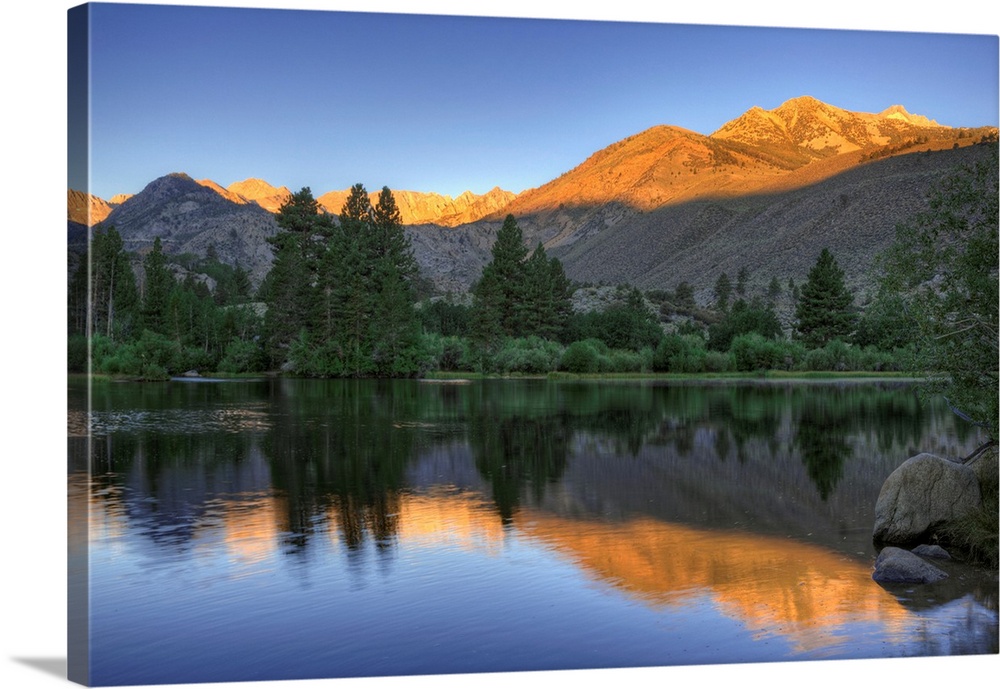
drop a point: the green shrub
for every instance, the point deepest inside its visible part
(192, 358)
(527, 355)
(580, 357)
(841, 355)
(717, 362)
(793, 355)
(102, 350)
(818, 360)
(677, 353)
(621, 361)
(151, 356)
(753, 352)
(453, 355)
(242, 356)
(667, 350)
(646, 359)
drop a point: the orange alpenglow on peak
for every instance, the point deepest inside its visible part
(253, 189)
(260, 192)
(898, 112)
(800, 142)
(223, 192)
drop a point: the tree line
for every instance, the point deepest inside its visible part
(340, 300)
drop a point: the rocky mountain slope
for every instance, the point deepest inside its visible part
(766, 191)
(190, 217)
(778, 234)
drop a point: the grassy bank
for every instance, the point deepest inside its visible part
(733, 376)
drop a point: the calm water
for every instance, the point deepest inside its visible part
(302, 529)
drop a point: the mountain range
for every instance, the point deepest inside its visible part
(766, 191)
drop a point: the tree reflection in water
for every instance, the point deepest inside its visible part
(821, 435)
(336, 454)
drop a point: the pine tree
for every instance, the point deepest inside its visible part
(505, 276)
(773, 289)
(395, 324)
(824, 310)
(351, 281)
(723, 290)
(486, 329)
(741, 281)
(545, 302)
(292, 289)
(559, 305)
(241, 285)
(156, 289)
(684, 294)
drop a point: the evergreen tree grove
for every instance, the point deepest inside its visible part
(520, 295)
(114, 297)
(339, 295)
(545, 305)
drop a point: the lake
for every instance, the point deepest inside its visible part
(293, 529)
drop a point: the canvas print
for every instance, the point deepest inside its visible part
(412, 344)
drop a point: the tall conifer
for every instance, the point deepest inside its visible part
(156, 289)
(395, 325)
(505, 279)
(824, 310)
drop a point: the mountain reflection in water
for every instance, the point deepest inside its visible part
(523, 523)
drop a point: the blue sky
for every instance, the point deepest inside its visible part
(449, 103)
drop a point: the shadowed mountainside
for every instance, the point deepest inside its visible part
(854, 214)
(190, 217)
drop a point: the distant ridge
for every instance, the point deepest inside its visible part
(759, 150)
(663, 205)
(85, 209)
(422, 208)
(262, 193)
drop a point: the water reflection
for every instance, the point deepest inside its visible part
(823, 426)
(773, 586)
(351, 447)
(755, 501)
